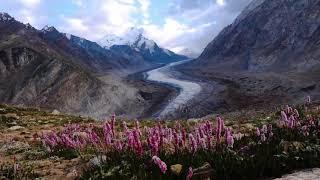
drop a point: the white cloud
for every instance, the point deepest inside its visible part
(78, 2)
(27, 11)
(203, 20)
(77, 24)
(99, 17)
(144, 7)
(119, 13)
(30, 3)
(186, 23)
(175, 35)
(221, 2)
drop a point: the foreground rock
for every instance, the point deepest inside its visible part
(310, 174)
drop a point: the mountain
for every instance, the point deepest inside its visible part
(269, 55)
(189, 53)
(269, 35)
(135, 40)
(124, 62)
(43, 68)
(90, 54)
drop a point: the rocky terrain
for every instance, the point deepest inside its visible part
(45, 69)
(269, 35)
(268, 55)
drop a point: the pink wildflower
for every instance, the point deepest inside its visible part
(305, 130)
(284, 116)
(288, 109)
(113, 122)
(184, 136)
(258, 133)
(162, 165)
(296, 113)
(264, 129)
(190, 173)
(192, 143)
(220, 127)
(176, 139)
(229, 138)
(263, 138)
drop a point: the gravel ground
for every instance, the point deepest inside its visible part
(309, 174)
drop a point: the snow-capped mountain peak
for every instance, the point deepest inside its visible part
(189, 52)
(5, 17)
(48, 29)
(132, 37)
(68, 36)
(110, 40)
(135, 39)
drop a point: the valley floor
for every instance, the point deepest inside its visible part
(260, 91)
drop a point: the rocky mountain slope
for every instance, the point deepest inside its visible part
(45, 69)
(136, 41)
(269, 35)
(118, 60)
(269, 55)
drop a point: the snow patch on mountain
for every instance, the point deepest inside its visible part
(48, 29)
(5, 17)
(189, 53)
(68, 36)
(133, 37)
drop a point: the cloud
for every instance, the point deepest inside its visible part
(96, 18)
(76, 25)
(144, 7)
(176, 25)
(202, 19)
(27, 11)
(31, 4)
(221, 2)
(78, 2)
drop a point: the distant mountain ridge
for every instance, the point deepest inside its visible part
(135, 39)
(46, 68)
(269, 35)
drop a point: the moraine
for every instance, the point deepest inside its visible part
(187, 89)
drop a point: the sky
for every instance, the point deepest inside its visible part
(173, 24)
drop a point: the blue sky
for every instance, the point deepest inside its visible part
(174, 24)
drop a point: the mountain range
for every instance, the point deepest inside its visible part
(270, 54)
(269, 35)
(134, 40)
(47, 68)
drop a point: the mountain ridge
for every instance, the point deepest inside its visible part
(269, 55)
(149, 49)
(46, 69)
(247, 44)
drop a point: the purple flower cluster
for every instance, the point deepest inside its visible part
(265, 132)
(151, 139)
(162, 165)
(159, 139)
(190, 173)
(290, 117)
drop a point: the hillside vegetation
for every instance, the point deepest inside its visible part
(245, 145)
